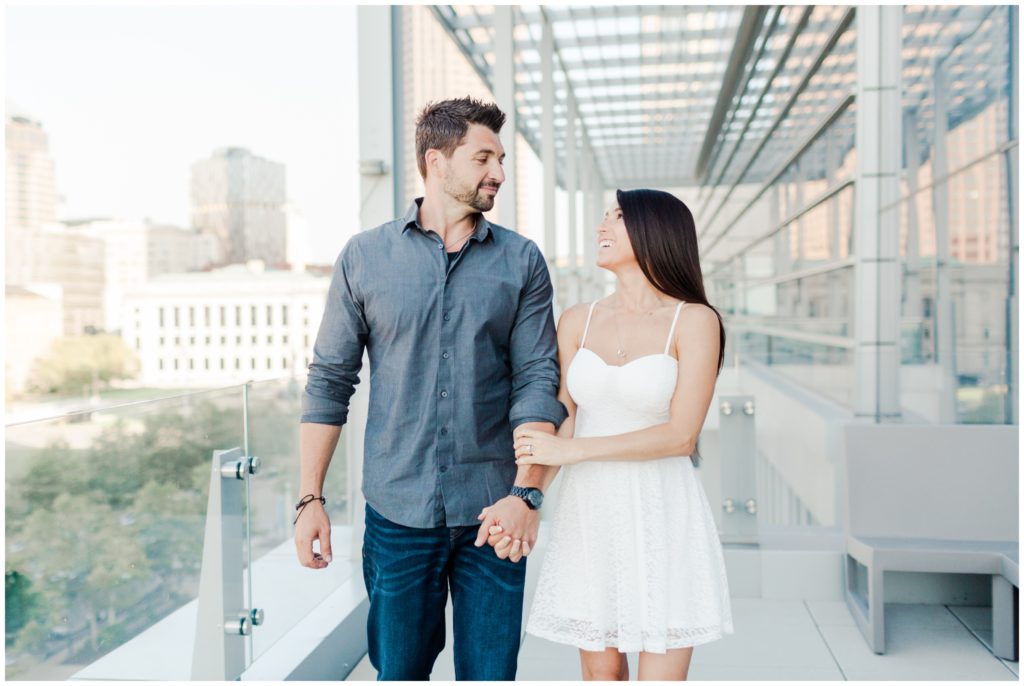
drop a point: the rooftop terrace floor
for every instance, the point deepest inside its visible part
(801, 640)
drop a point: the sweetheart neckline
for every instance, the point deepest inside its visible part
(620, 366)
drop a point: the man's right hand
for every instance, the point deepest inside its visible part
(313, 524)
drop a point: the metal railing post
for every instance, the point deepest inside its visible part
(222, 620)
(738, 447)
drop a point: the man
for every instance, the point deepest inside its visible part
(455, 313)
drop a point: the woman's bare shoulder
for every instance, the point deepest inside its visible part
(697, 323)
(698, 314)
(573, 319)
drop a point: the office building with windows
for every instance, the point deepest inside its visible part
(223, 326)
(239, 198)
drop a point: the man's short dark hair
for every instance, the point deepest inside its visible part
(443, 125)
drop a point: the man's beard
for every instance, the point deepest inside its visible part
(481, 202)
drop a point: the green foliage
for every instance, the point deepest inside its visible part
(32, 638)
(20, 602)
(98, 531)
(109, 537)
(47, 477)
(171, 524)
(74, 362)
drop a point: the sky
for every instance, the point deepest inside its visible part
(131, 96)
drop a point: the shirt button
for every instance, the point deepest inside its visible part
(444, 394)
(447, 316)
(444, 355)
(444, 469)
(444, 431)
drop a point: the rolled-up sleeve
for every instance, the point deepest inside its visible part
(533, 351)
(338, 351)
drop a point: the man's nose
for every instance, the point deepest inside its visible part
(498, 172)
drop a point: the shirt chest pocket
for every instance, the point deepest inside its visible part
(485, 306)
(401, 301)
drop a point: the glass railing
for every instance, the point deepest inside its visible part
(827, 369)
(273, 432)
(105, 523)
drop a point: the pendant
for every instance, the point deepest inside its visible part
(620, 352)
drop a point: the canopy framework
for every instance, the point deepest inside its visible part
(646, 81)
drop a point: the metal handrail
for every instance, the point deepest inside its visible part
(817, 270)
(825, 196)
(133, 403)
(802, 336)
(830, 119)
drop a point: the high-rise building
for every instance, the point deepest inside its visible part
(31, 191)
(40, 254)
(74, 262)
(135, 251)
(224, 326)
(239, 198)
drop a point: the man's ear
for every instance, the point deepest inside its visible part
(435, 161)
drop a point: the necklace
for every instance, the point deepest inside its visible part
(620, 352)
(449, 246)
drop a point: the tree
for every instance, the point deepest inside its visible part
(171, 523)
(115, 530)
(74, 362)
(21, 602)
(86, 557)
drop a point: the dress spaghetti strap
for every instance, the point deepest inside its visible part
(590, 313)
(673, 329)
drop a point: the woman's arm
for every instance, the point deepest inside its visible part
(570, 328)
(696, 346)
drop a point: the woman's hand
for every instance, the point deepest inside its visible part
(535, 447)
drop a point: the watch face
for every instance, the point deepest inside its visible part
(536, 498)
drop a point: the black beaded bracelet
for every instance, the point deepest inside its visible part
(306, 500)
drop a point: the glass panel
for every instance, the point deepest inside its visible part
(824, 368)
(274, 411)
(958, 214)
(104, 533)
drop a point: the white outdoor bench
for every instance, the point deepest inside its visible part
(927, 498)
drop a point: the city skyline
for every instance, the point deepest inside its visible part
(276, 80)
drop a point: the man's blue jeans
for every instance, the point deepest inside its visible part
(408, 573)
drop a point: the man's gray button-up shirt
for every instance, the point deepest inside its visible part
(460, 354)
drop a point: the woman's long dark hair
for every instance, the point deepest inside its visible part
(664, 238)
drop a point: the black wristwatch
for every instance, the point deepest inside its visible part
(533, 497)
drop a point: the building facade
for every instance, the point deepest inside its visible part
(239, 198)
(72, 262)
(135, 251)
(34, 318)
(31, 190)
(225, 326)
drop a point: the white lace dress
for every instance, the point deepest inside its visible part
(633, 561)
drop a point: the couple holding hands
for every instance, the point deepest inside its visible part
(476, 403)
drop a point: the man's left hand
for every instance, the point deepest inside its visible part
(510, 527)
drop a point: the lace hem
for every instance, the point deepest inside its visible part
(585, 635)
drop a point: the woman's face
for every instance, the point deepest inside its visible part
(613, 246)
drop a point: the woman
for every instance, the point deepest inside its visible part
(634, 562)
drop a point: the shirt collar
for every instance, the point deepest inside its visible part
(411, 219)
